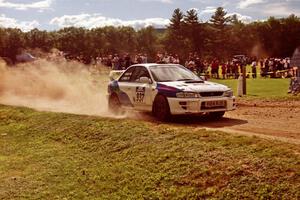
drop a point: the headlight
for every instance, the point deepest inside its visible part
(228, 93)
(187, 95)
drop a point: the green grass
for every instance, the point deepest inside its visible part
(61, 156)
(263, 88)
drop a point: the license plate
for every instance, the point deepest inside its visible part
(213, 104)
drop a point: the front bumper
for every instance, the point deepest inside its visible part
(179, 106)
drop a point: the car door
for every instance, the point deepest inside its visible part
(141, 92)
(126, 88)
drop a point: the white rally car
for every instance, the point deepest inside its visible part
(168, 89)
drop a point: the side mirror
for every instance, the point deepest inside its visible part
(145, 80)
(203, 78)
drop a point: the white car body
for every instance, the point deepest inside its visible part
(140, 94)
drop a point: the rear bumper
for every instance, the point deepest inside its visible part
(180, 106)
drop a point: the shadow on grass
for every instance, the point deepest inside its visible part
(194, 120)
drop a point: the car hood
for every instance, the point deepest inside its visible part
(205, 86)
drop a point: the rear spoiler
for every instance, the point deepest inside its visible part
(115, 74)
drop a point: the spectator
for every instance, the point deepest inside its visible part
(215, 69)
(166, 59)
(190, 64)
(127, 61)
(139, 59)
(254, 70)
(145, 58)
(224, 70)
(115, 62)
(176, 59)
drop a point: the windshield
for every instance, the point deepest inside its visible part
(168, 73)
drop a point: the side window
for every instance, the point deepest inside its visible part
(135, 74)
(139, 72)
(144, 73)
(127, 75)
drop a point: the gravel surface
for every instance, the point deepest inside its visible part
(275, 118)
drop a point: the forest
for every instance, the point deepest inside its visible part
(221, 37)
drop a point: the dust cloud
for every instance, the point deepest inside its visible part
(67, 87)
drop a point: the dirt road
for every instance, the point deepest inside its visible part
(279, 120)
(273, 118)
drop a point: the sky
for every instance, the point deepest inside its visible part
(55, 14)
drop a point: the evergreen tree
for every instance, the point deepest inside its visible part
(220, 19)
(176, 21)
(174, 39)
(191, 18)
(193, 31)
(220, 39)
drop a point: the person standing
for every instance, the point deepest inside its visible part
(198, 66)
(139, 59)
(215, 69)
(145, 58)
(127, 61)
(224, 70)
(176, 59)
(115, 62)
(190, 64)
(254, 69)
(166, 59)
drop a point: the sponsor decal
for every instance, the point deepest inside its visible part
(168, 91)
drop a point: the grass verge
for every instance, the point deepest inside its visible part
(261, 88)
(61, 156)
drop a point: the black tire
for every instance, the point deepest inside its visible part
(161, 108)
(216, 115)
(115, 105)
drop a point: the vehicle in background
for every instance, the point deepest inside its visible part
(241, 60)
(25, 57)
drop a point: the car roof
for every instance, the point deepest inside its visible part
(147, 65)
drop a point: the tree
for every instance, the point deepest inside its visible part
(13, 43)
(176, 22)
(147, 41)
(220, 34)
(3, 39)
(193, 31)
(221, 37)
(241, 41)
(75, 42)
(38, 39)
(290, 39)
(128, 39)
(220, 19)
(174, 39)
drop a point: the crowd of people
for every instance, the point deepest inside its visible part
(270, 67)
(213, 68)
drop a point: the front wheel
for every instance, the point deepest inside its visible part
(216, 115)
(161, 109)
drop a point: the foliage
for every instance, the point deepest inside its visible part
(221, 37)
(175, 32)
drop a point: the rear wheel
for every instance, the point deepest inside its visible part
(161, 108)
(216, 115)
(114, 105)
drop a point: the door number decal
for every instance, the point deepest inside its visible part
(140, 94)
